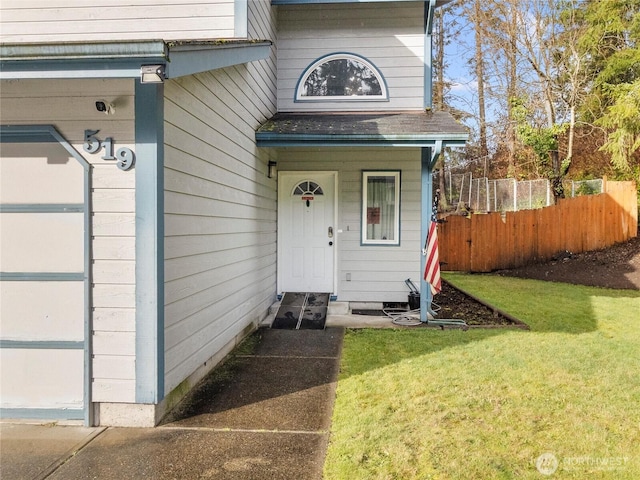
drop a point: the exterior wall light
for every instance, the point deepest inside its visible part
(271, 166)
(152, 74)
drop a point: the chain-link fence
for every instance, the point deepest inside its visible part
(582, 187)
(533, 194)
(502, 195)
(457, 188)
(464, 193)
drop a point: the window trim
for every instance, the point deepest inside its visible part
(383, 97)
(397, 175)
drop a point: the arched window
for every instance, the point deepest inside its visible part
(341, 76)
(307, 191)
(308, 188)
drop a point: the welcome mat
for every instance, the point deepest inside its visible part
(300, 311)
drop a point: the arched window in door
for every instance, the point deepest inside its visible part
(307, 190)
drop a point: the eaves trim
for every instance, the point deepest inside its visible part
(439, 3)
(338, 140)
(361, 129)
(124, 59)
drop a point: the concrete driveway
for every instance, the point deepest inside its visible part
(269, 420)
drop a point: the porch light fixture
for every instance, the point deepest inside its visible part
(271, 166)
(152, 74)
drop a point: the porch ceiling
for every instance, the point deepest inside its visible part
(392, 129)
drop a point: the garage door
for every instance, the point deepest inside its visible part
(43, 276)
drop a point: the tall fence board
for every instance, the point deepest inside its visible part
(483, 243)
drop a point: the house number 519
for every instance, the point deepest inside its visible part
(124, 156)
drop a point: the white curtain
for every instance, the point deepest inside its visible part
(381, 208)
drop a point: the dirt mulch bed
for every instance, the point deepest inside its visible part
(616, 267)
(452, 303)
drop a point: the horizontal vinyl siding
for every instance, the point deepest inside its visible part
(391, 36)
(24, 21)
(377, 273)
(220, 208)
(69, 105)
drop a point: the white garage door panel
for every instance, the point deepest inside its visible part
(42, 310)
(51, 175)
(44, 283)
(42, 242)
(35, 380)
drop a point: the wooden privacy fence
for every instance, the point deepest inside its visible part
(494, 241)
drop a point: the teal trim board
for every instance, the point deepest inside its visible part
(241, 18)
(429, 8)
(149, 131)
(43, 413)
(42, 276)
(43, 344)
(425, 211)
(42, 208)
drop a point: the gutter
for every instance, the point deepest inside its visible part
(124, 59)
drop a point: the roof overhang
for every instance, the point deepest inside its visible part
(386, 129)
(438, 3)
(124, 59)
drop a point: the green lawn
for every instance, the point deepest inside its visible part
(485, 404)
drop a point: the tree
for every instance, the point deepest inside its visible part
(622, 120)
(441, 87)
(479, 62)
(500, 29)
(570, 64)
(543, 140)
(612, 44)
(440, 42)
(573, 62)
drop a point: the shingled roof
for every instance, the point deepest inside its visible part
(414, 129)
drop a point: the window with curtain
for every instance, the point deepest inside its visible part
(381, 208)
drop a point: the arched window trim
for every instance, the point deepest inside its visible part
(383, 97)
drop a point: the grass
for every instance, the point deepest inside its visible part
(486, 404)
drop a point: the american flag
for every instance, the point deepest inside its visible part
(432, 266)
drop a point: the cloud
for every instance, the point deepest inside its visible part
(464, 86)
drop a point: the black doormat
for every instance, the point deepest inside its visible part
(300, 311)
(371, 313)
(390, 307)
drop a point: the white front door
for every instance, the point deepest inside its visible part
(306, 231)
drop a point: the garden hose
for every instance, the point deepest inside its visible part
(407, 318)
